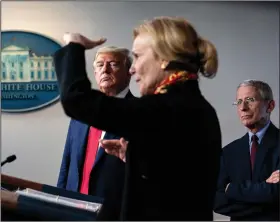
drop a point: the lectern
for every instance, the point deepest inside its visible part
(24, 200)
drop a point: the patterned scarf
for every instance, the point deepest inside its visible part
(174, 78)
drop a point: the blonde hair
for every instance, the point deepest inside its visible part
(175, 39)
(115, 50)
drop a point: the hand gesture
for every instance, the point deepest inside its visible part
(115, 147)
(274, 177)
(84, 41)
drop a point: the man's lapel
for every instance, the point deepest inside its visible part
(101, 152)
(81, 141)
(244, 157)
(269, 141)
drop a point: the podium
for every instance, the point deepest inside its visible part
(18, 207)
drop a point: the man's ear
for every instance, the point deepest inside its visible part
(94, 72)
(271, 106)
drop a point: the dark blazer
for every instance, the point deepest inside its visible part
(107, 176)
(249, 197)
(172, 158)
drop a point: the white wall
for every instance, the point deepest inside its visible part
(245, 34)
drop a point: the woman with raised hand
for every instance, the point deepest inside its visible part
(172, 133)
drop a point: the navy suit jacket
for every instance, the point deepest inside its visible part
(248, 196)
(107, 176)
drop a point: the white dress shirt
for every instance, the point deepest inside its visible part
(259, 134)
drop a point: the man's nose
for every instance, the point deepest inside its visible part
(243, 106)
(106, 68)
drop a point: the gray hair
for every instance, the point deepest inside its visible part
(262, 87)
(113, 49)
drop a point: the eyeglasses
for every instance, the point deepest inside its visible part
(248, 101)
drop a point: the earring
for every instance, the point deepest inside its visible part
(163, 65)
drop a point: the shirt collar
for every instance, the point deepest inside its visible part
(260, 133)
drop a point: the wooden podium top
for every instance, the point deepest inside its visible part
(9, 199)
(20, 183)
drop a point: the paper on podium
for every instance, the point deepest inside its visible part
(89, 206)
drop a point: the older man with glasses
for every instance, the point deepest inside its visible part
(248, 185)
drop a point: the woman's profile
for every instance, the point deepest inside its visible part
(173, 133)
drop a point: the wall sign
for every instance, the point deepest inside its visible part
(28, 79)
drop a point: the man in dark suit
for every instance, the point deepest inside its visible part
(85, 167)
(248, 185)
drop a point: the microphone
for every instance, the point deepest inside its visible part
(9, 159)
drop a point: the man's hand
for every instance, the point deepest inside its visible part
(78, 38)
(274, 177)
(115, 147)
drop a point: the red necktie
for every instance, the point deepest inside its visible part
(254, 147)
(91, 151)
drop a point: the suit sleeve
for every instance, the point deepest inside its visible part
(94, 108)
(248, 192)
(225, 206)
(64, 168)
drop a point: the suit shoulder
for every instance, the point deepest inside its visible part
(233, 145)
(275, 128)
(76, 123)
